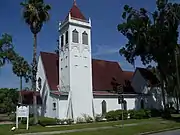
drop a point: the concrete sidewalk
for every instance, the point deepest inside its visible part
(79, 130)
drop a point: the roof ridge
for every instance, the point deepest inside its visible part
(105, 60)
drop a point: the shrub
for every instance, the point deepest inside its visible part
(12, 117)
(116, 115)
(44, 121)
(166, 114)
(111, 116)
(119, 114)
(139, 114)
(87, 118)
(156, 113)
(132, 114)
(24, 121)
(69, 121)
(80, 120)
(147, 113)
(64, 121)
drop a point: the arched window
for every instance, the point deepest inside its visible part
(39, 83)
(62, 40)
(124, 105)
(85, 38)
(104, 107)
(142, 104)
(75, 36)
(54, 106)
(67, 39)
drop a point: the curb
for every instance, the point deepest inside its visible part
(159, 131)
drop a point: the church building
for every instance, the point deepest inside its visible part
(71, 83)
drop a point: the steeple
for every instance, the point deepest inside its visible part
(76, 13)
(74, 3)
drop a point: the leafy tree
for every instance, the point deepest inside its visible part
(6, 49)
(8, 100)
(151, 36)
(35, 13)
(22, 69)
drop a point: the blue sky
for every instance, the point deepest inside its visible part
(106, 40)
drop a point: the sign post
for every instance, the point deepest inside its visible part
(22, 112)
(121, 99)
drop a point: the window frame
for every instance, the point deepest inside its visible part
(73, 37)
(85, 35)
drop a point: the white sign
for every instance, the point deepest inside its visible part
(22, 112)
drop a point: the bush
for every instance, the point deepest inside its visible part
(166, 114)
(24, 121)
(111, 116)
(139, 114)
(44, 121)
(132, 114)
(12, 117)
(116, 115)
(64, 121)
(80, 120)
(87, 118)
(156, 113)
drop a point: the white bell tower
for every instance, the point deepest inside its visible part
(76, 63)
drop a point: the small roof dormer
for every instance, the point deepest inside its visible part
(76, 13)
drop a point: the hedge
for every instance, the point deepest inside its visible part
(136, 114)
(116, 115)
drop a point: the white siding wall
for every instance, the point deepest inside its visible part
(112, 104)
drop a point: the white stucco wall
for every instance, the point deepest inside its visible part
(112, 104)
(63, 103)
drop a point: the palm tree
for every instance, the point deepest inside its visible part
(22, 69)
(6, 49)
(35, 13)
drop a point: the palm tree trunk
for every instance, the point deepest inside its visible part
(34, 71)
(177, 100)
(177, 73)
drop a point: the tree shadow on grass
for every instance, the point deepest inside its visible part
(173, 117)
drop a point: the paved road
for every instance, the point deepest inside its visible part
(176, 132)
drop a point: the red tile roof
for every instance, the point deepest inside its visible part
(148, 75)
(27, 97)
(76, 12)
(103, 72)
(128, 75)
(51, 66)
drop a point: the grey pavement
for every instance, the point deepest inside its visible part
(175, 132)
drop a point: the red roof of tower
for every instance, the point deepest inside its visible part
(76, 12)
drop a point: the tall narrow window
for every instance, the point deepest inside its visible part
(39, 83)
(54, 106)
(85, 38)
(104, 108)
(62, 40)
(142, 104)
(67, 37)
(75, 36)
(124, 105)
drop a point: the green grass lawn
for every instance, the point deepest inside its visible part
(147, 124)
(133, 130)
